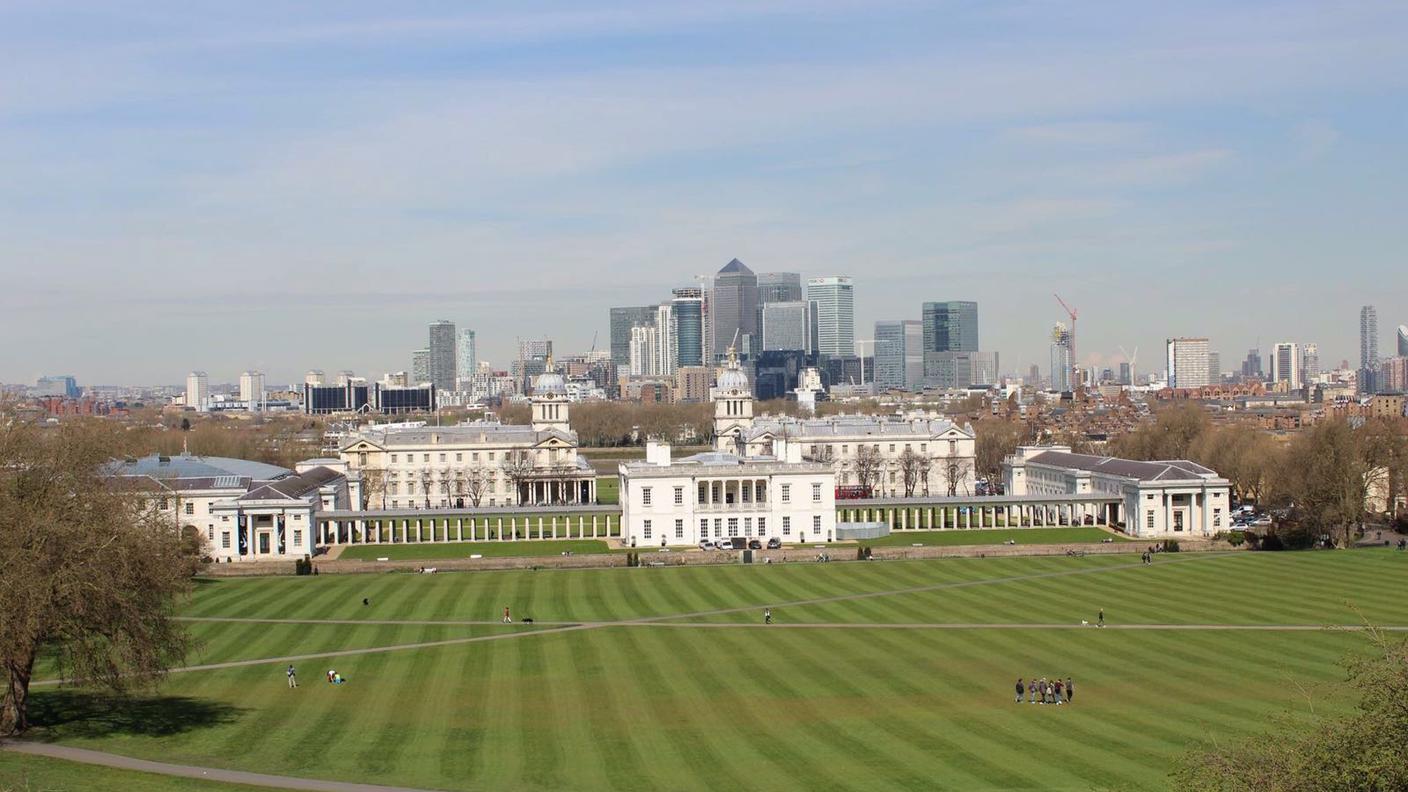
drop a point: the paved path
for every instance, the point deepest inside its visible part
(188, 771)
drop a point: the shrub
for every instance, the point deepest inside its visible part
(1236, 538)
(1170, 545)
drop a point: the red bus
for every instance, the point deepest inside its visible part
(852, 492)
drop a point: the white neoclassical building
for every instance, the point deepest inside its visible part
(894, 456)
(719, 495)
(483, 463)
(247, 511)
(1168, 498)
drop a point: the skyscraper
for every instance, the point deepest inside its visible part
(1060, 358)
(1368, 337)
(622, 320)
(899, 354)
(198, 391)
(779, 287)
(420, 366)
(950, 326)
(1403, 340)
(1251, 367)
(252, 391)
(687, 308)
(466, 359)
(1309, 362)
(733, 308)
(1187, 362)
(666, 362)
(834, 297)
(645, 351)
(1285, 364)
(442, 355)
(1214, 367)
(784, 326)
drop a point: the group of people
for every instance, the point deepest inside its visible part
(1041, 691)
(334, 678)
(1147, 557)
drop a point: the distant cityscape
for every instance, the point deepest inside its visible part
(785, 330)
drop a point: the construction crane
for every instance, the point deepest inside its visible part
(1131, 358)
(1071, 343)
(595, 333)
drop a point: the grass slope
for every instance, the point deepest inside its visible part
(430, 552)
(20, 773)
(747, 707)
(986, 536)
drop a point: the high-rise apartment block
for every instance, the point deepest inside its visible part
(442, 355)
(466, 359)
(198, 391)
(252, 391)
(833, 300)
(1285, 364)
(420, 366)
(1187, 362)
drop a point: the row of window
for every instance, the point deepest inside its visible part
(817, 450)
(490, 456)
(225, 538)
(646, 495)
(733, 523)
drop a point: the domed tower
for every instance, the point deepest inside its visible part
(733, 407)
(550, 400)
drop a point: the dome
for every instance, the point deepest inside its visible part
(549, 383)
(733, 379)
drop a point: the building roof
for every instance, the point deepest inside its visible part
(496, 433)
(292, 487)
(1158, 470)
(720, 463)
(188, 466)
(852, 425)
(736, 266)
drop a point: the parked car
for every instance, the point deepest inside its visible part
(774, 543)
(722, 544)
(754, 544)
(1262, 520)
(705, 544)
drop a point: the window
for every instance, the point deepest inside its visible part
(224, 518)
(425, 457)
(362, 459)
(786, 493)
(816, 524)
(298, 517)
(442, 456)
(225, 540)
(786, 526)
(762, 526)
(165, 504)
(459, 457)
(845, 449)
(491, 456)
(953, 448)
(733, 526)
(679, 496)
(393, 459)
(646, 526)
(1149, 521)
(816, 493)
(645, 495)
(921, 447)
(892, 448)
(718, 527)
(297, 538)
(210, 533)
(747, 526)
(1217, 518)
(679, 529)
(703, 529)
(190, 508)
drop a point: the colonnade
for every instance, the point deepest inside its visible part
(403, 530)
(978, 515)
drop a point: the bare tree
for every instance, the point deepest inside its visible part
(914, 468)
(475, 483)
(373, 488)
(427, 483)
(446, 485)
(518, 468)
(955, 474)
(91, 571)
(868, 465)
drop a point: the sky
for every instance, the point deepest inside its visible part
(286, 186)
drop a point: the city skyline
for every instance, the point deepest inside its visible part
(179, 185)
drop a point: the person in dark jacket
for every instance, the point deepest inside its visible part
(1021, 689)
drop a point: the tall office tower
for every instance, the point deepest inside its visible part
(1214, 367)
(834, 297)
(442, 355)
(1126, 374)
(198, 391)
(1403, 340)
(899, 354)
(1034, 375)
(1309, 362)
(1285, 364)
(645, 355)
(252, 391)
(1251, 367)
(1060, 358)
(779, 287)
(314, 377)
(541, 348)
(466, 359)
(1368, 337)
(1187, 362)
(733, 308)
(622, 320)
(950, 326)
(784, 326)
(420, 366)
(665, 360)
(687, 307)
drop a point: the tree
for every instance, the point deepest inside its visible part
(1170, 436)
(868, 465)
(373, 487)
(1360, 751)
(427, 483)
(475, 482)
(91, 571)
(996, 441)
(1326, 479)
(955, 472)
(517, 467)
(914, 468)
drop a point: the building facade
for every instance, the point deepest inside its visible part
(951, 326)
(833, 301)
(718, 495)
(733, 307)
(252, 391)
(1169, 498)
(198, 391)
(779, 287)
(622, 320)
(1285, 364)
(784, 326)
(1188, 363)
(466, 359)
(687, 308)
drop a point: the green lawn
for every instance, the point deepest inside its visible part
(21, 773)
(608, 490)
(489, 549)
(722, 702)
(986, 536)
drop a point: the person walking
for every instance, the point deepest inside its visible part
(1070, 690)
(292, 677)
(767, 615)
(1021, 691)
(1056, 688)
(1100, 620)
(507, 620)
(1031, 692)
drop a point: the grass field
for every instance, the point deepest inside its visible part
(986, 536)
(884, 675)
(431, 551)
(608, 490)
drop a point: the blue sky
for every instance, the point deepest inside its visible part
(291, 186)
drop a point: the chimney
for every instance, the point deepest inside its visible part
(657, 453)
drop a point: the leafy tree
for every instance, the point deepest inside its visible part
(91, 571)
(1360, 751)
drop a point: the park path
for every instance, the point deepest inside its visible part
(119, 762)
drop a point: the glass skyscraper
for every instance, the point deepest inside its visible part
(951, 326)
(688, 311)
(833, 300)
